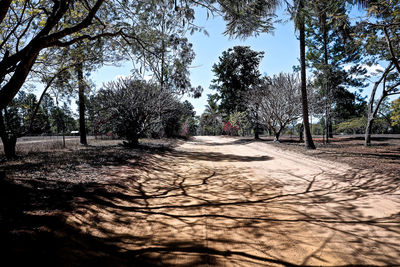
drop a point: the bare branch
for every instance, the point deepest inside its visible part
(391, 50)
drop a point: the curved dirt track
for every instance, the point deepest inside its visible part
(218, 201)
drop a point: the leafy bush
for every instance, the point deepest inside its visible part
(130, 108)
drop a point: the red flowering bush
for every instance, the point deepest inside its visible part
(230, 129)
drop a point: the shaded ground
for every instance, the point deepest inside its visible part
(383, 156)
(209, 202)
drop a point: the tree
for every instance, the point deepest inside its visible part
(237, 75)
(395, 112)
(240, 122)
(329, 48)
(381, 44)
(248, 20)
(211, 119)
(237, 72)
(128, 105)
(180, 122)
(18, 119)
(162, 51)
(280, 102)
(30, 27)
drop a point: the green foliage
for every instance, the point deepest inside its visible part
(19, 116)
(210, 122)
(248, 18)
(395, 112)
(237, 73)
(382, 16)
(181, 122)
(132, 107)
(240, 121)
(62, 120)
(347, 105)
(357, 126)
(352, 126)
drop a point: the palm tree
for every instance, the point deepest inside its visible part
(212, 116)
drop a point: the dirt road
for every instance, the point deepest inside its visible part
(220, 201)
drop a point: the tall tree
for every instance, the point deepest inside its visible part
(237, 73)
(252, 17)
(329, 48)
(380, 40)
(163, 52)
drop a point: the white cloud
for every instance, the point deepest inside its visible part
(147, 78)
(372, 70)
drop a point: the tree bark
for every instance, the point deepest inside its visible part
(81, 88)
(276, 137)
(9, 140)
(368, 131)
(308, 137)
(23, 60)
(4, 6)
(257, 128)
(326, 62)
(301, 133)
(330, 128)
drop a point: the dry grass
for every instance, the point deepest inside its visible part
(107, 205)
(76, 163)
(383, 156)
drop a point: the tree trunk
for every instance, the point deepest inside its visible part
(81, 88)
(326, 62)
(132, 143)
(257, 128)
(276, 137)
(9, 140)
(301, 133)
(368, 131)
(330, 128)
(308, 137)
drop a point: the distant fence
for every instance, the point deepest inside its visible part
(55, 138)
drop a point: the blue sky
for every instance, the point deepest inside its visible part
(281, 53)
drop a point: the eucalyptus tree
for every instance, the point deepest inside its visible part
(380, 40)
(29, 27)
(159, 47)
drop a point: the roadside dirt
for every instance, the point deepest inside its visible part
(218, 201)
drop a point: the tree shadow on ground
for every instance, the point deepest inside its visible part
(161, 212)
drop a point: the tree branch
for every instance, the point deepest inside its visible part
(4, 7)
(391, 50)
(84, 37)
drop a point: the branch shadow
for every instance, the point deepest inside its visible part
(158, 211)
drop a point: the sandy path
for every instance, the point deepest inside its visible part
(226, 202)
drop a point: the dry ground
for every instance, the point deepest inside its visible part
(211, 201)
